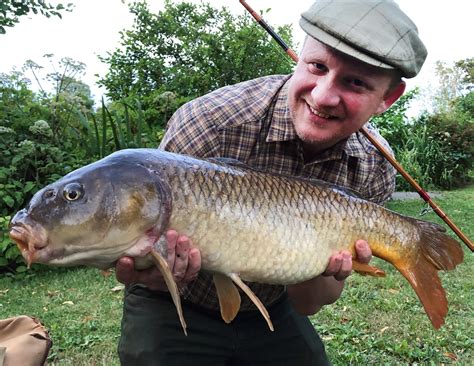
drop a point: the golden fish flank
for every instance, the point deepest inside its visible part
(248, 225)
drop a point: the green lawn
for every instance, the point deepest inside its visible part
(376, 322)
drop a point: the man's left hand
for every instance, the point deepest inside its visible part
(340, 264)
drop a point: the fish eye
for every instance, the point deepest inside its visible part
(73, 191)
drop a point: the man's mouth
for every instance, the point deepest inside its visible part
(320, 114)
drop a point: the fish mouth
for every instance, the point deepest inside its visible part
(31, 241)
(19, 235)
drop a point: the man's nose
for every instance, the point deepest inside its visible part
(325, 93)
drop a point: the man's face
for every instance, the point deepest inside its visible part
(332, 95)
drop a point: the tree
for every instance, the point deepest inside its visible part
(393, 124)
(189, 50)
(65, 96)
(455, 82)
(11, 10)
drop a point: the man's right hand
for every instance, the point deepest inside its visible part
(183, 259)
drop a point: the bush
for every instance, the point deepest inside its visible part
(435, 149)
(455, 144)
(44, 138)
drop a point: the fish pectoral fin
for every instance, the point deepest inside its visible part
(252, 297)
(364, 269)
(229, 297)
(165, 271)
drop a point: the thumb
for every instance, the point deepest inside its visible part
(125, 270)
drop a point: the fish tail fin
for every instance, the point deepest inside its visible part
(436, 251)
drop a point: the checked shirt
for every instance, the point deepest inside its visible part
(251, 122)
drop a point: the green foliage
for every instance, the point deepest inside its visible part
(116, 127)
(45, 136)
(35, 151)
(421, 155)
(189, 50)
(453, 133)
(393, 123)
(435, 148)
(11, 260)
(455, 82)
(11, 10)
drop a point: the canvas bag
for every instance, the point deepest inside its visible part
(23, 341)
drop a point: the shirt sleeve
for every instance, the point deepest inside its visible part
(192, 131)
(382, 184)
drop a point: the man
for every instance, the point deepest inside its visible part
(305, 124)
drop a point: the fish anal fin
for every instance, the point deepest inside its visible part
(365, 269)
(229, 297)
(165, 271)
(252, 297)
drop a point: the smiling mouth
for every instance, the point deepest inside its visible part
(320, 114)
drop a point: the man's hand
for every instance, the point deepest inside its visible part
(183, 259)
(340, 264)
(310, 296)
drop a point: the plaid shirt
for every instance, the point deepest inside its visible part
(251, 122)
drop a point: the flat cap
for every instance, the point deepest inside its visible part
(377, 32)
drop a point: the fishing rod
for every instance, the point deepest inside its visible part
(423, 194)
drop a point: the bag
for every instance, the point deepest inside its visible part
(23, 341)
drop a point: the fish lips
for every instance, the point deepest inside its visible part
(31, 239)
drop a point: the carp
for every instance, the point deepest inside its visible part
(249, 225)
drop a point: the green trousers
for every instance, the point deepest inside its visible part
(152, 335)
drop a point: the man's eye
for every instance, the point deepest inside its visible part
(358, 83)
(320, 67)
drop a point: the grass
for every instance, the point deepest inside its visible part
(81, 308)
(376, 322)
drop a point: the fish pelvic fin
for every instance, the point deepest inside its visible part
(437, 251)
(366, 270)
(252, 297)
(165, 271)
(228, 295)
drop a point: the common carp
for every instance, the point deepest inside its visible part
(249, 225)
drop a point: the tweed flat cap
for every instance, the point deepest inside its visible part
(377, 32)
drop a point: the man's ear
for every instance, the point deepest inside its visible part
(391, 97)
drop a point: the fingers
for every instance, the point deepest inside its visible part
(181, 260)
(124, 271)
(340, 266)
(171, 241)
(184, 260)
(363, 252)
(194, 265)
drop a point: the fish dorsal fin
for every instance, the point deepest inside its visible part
(313, 181)
(334, 187)
(229, 161)
(252, 297)
(229, 297)
(165, 271)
